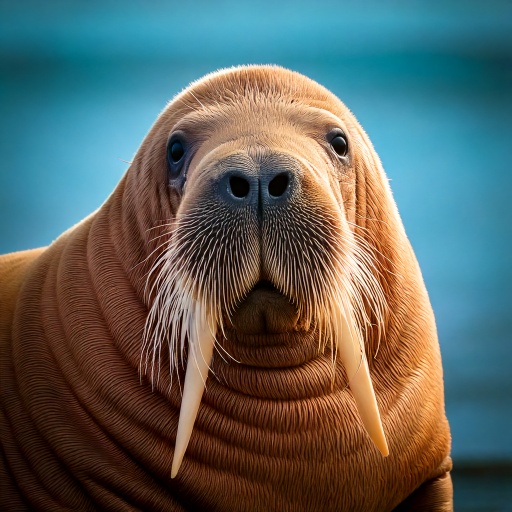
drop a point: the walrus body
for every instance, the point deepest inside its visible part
(254, 212)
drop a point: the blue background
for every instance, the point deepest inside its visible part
(81, 83)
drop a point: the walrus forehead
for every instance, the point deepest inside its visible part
(299, 131)
(244, 117)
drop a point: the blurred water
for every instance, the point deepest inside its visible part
(433, 88)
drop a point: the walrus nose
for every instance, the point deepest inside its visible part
(275, 186)
(268, 188)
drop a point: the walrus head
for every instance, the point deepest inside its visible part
(266, 258)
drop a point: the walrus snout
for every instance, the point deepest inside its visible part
(269, 186)
(265, 311)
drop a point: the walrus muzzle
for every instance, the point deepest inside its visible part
(251, 217)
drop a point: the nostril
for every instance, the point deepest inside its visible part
(239, 186)
(277, 187)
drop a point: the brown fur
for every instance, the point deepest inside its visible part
(80, 431)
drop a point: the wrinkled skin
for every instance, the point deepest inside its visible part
(87, 425)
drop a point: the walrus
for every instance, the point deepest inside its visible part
(242, 325)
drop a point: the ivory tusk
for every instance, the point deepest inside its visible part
(361, 385)
(198, 365)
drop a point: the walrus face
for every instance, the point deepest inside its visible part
(262, 251)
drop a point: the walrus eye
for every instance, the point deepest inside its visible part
(340, 145)
(175, 157)
(175, 151)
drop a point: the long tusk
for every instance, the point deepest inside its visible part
(361, 385)
(198, 364)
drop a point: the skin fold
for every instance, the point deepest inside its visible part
(284, 258)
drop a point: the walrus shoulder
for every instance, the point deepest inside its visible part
(13, 270)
